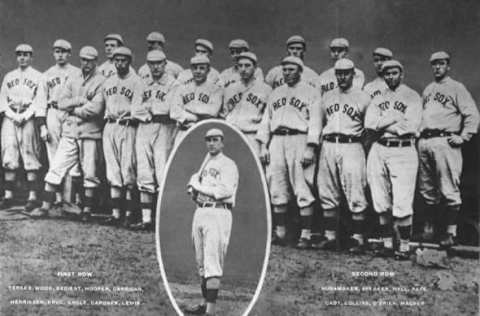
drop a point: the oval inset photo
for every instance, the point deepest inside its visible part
(213, 228)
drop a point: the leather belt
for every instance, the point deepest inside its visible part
(126, 122)
(227, 206)
(395, 142)
(341, 138)
(165, 119)
(430, 133)
(287, 131)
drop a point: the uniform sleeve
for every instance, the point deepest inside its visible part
(226, 187)
(413, 117)
(39, 102)
(263, 132)
(469, 112)
(94, 107)
(269, 79)
(315, 121)
(141, 111)
(210, 109)
(66, 100)
(373, 116)
(177, 110)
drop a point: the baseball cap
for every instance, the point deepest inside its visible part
(114, 36)
(248, 55)
(292, 60)
(205, 43)
(339, 42)
(214, 132)
(238, 43)
(63, 44)
(124, 51)
(156, 55)
(88, 52)
(296, 39)
(439, 55)
(199, 59)
(24, 48)
(391, 64)
(385, 52)
(156, 37)
(344, 64)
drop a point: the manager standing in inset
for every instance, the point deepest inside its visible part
(213, 188)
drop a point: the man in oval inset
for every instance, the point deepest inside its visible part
(213, 188)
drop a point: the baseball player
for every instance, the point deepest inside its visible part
(290, 155)
(327, 80)
(245, 100)
(232, 74)
(196, 100)
(80, 141)
(155, 133)
(393, 161)
(156, 41)
(377, 85)
(342, 164)
(202, 47)
(450, 118)
(213, 188)
(22, 99)
(55, 77)
(112, 42)
(296, 46)
(122, 92)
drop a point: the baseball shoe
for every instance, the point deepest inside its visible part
(199, 309)
(356, 248)
(448, 241)
(142, 226)
(6, 203)
(383, 252)
(278, 241)
(327, 244)
(304, 243)
(31, 204)
(401, 255)
(39, 212)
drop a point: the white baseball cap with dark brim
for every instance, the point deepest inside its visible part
(292, 60)
(248, 55)
(114, 36)
(63, 44)
(156, 55)
(199, 59)
(344, 64)
(238, 43)
(392, 64)
(156, 37)
(339, 42)
(384, 52)
(88, 52)
(122, 51)
(24, 48)
(439, 55)
(213, 132)
(205, 43)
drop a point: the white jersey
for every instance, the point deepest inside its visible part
(171, 68)
(213, 76)
(232, 75)
(275, 79)
(328, 81)
(122, 95)
(55, 78)
(375, 87)
(108, 69)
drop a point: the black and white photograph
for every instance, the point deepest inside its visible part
(353, 126)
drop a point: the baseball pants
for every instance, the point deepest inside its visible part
(72, 152)
(342, 172)
(392, 174)
(20, 144)
(440, 171)
(285, 173)
(211, 228)
(153, 144)
(119, 151)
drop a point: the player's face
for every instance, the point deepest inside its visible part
(291, 74)
(296, 49)
(337, 53)
(202, 50)
(214, 144)
(393, 77)
(122, 63)
(24, 59)
(110, 45)
(200, 72)
(157, 68)
(440, 68)
(246, 67)
(151, 45)
(61, 55)
(344, 78)
(235, 52)
(378, 61)
(87, 65)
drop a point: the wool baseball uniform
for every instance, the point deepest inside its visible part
(155, 133)
(121, 95)
(22, 96)
(448, 108)
(107, 69)
(327, 80)
(81, 139)
(55, 77)
(186, 76)
(216, 183)
(275, 79)
(244, 105)
(375, 87)
(171, 68)
(393, 161)
(232, 75)
(284, 127)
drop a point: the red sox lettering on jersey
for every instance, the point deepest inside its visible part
(375, 87)
(108, 69)
(121, 94)
(275, 79)
(56, 77)
(327, 80)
